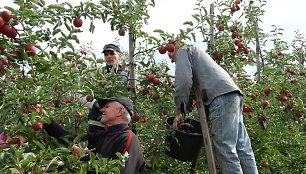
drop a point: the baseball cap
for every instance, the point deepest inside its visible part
(126, 102)
(111, 47)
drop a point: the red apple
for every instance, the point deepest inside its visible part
(267, 90)
(1, 22)
(246, 51)
(236, 41)
(146, 90)
(289, 106)
(213, 56)
(285, 92)
(136, 117)
(150, 77)
(156, 82)
(237, 8)
(294, 81)
(89, 98)
(162, 50)
(175, 43)
(121, 32)
(299, 114)
(240, 45)
(247, 109)
(6, 29)
(265, 103)
(237, 1)
(170, 47)
(219, 55)
(37, 126)
(265, 164)
(283, 98)
(279, 53)
(254, 96)
(293, 73)
(12, 34)
(77, 22)
(6, 15)
(4, 61)
(67, 100)
(218, 23)
(233, 9)
(30, 49)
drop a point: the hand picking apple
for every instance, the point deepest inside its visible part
(177, 122)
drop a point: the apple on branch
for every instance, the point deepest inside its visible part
(77, 22)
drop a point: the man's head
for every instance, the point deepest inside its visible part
(173, 46)
(116, 110)
(172, 56)
(112, 54)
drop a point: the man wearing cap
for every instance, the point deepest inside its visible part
(116, 137)
(112, 56)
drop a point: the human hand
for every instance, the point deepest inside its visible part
(177, 122)
(76, 150)
(19, 139)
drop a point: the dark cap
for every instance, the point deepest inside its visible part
(111, 47)
(126, 102)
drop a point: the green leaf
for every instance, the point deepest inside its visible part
(92, 27)
(67, 26)
(158, 31)
(56, 31)
(188, 23)
(40, 145)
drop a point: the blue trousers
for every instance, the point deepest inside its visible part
(233, 149)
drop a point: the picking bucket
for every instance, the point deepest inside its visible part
(184, 144)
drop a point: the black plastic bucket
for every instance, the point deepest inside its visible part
(184, 144)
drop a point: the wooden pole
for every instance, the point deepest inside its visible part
(205, 132)
(132, 64)
(210, 46)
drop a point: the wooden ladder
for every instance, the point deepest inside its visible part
(205, 133)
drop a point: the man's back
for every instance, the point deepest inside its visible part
(213, 79)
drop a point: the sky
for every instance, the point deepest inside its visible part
(169, 16)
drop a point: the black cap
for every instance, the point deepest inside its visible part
(111, 47)
(126, 102)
